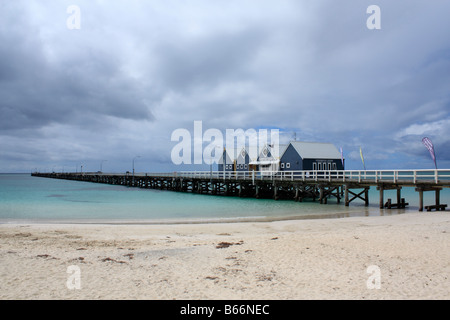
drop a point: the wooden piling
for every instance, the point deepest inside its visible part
(347, 203)
(321, 195)
(421, 200)
(381, 198)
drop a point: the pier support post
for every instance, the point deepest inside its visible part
(275, 191)
(381, 198)
(347, 203)
(366, 196)
(338, 194)
(321, 195)
(421, 200)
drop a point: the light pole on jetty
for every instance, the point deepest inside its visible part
(133, 163)
(101, 165)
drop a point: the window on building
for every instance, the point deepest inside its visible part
(282, 165)
(288, 165)
(334, 166)
(329, 165)
(314, 166)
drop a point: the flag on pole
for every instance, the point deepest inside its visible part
(342, 157)
(429, 145)
(362, 157)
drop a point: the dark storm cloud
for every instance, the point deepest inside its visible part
(36, 90)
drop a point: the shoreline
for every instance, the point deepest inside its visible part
(364, 212)
(290, 259)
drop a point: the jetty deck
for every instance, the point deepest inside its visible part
(346, 185)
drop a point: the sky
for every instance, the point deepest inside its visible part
(101, 85)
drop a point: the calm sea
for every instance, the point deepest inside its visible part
(41, 200)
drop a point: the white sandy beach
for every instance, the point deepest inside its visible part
(302, 259)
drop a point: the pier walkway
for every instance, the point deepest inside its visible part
(348, 185)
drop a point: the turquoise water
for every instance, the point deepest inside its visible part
(32, 199)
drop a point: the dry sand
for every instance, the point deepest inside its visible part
(303, 259)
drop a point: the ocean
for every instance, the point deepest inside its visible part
(27, 199)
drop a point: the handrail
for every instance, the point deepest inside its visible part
(428, 176)
(388, 176)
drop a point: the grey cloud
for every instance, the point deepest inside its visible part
(135, 72)
(208, 61)
(36, 91)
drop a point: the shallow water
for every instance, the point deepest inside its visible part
(41, 200)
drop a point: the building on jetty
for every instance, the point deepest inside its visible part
(236, 160)
(296, 155)
(311, 156)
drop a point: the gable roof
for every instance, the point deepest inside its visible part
(232, 154)
(316, 150)
(281, 149)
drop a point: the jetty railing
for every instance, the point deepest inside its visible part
(412, 177)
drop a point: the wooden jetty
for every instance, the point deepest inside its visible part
(348, 185)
